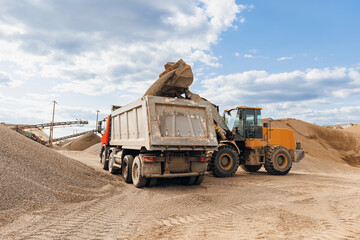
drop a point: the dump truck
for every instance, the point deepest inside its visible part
(158, 137)
(247, 142)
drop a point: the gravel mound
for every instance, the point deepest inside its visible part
(32, 175)
(82, 143)
(94, 149)
(325, 143)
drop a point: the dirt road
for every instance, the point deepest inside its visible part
(301, 205)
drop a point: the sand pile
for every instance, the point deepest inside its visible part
(81, 143)
(32, 175)
(94, 149)
(353, 129)
(322, 142)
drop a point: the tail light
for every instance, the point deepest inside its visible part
(204, 159)
(149, 159)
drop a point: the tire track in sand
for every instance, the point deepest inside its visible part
(95, 221)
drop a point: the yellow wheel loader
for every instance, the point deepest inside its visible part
(245, 141)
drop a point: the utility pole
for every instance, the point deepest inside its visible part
(52, 125)
(97, 115)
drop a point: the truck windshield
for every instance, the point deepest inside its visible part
(103, 128)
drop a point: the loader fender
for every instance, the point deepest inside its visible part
(231, 144)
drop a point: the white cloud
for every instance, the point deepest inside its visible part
(298, 93)
(96, 47)
(242, 20)
(284, 58)
(254, 50)
(248, 56)
(237, 54)
(7, 81)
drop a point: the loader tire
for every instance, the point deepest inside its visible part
(277, 160)
(251, 168)
(224, 162)
(127, 168)
(138, 180)
(104, 161)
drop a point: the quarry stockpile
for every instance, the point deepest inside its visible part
(81, 143)
(32, 175)
(354, 129)
(325, 143)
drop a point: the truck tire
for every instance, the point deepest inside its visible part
(188, 180)
(112, 168)
(277, 160)
(199, 179)
(251, 168)
(151, 182)
(126, 168)
(224, 162)
(138, 180)
(104, 161)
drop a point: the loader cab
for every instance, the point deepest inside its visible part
(244, 122)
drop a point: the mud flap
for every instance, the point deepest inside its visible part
(198, 166)
(150, 169)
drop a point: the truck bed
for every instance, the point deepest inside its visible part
(162, 123)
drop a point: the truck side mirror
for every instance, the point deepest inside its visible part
(265, 125)
(99, 127)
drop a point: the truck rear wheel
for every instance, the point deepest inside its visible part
(138, 180)
(126, 168)
(104, 161)
(151, 182)
(188, 180)
(224, 162)
(277, 160)
(251, 168)
(199, 179)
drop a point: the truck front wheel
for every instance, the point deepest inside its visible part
(104, 161)
(126, 168)
(138, 180)
(224, 162)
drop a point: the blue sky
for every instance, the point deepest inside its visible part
(296, 59)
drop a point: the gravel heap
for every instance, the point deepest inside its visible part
(32, 175)
(354, 129)
(82, 143)
(94, 149)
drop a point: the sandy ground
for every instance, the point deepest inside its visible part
(312, 202)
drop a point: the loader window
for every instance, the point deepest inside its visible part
(250, 119)
(258, 118)
(234, 123)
